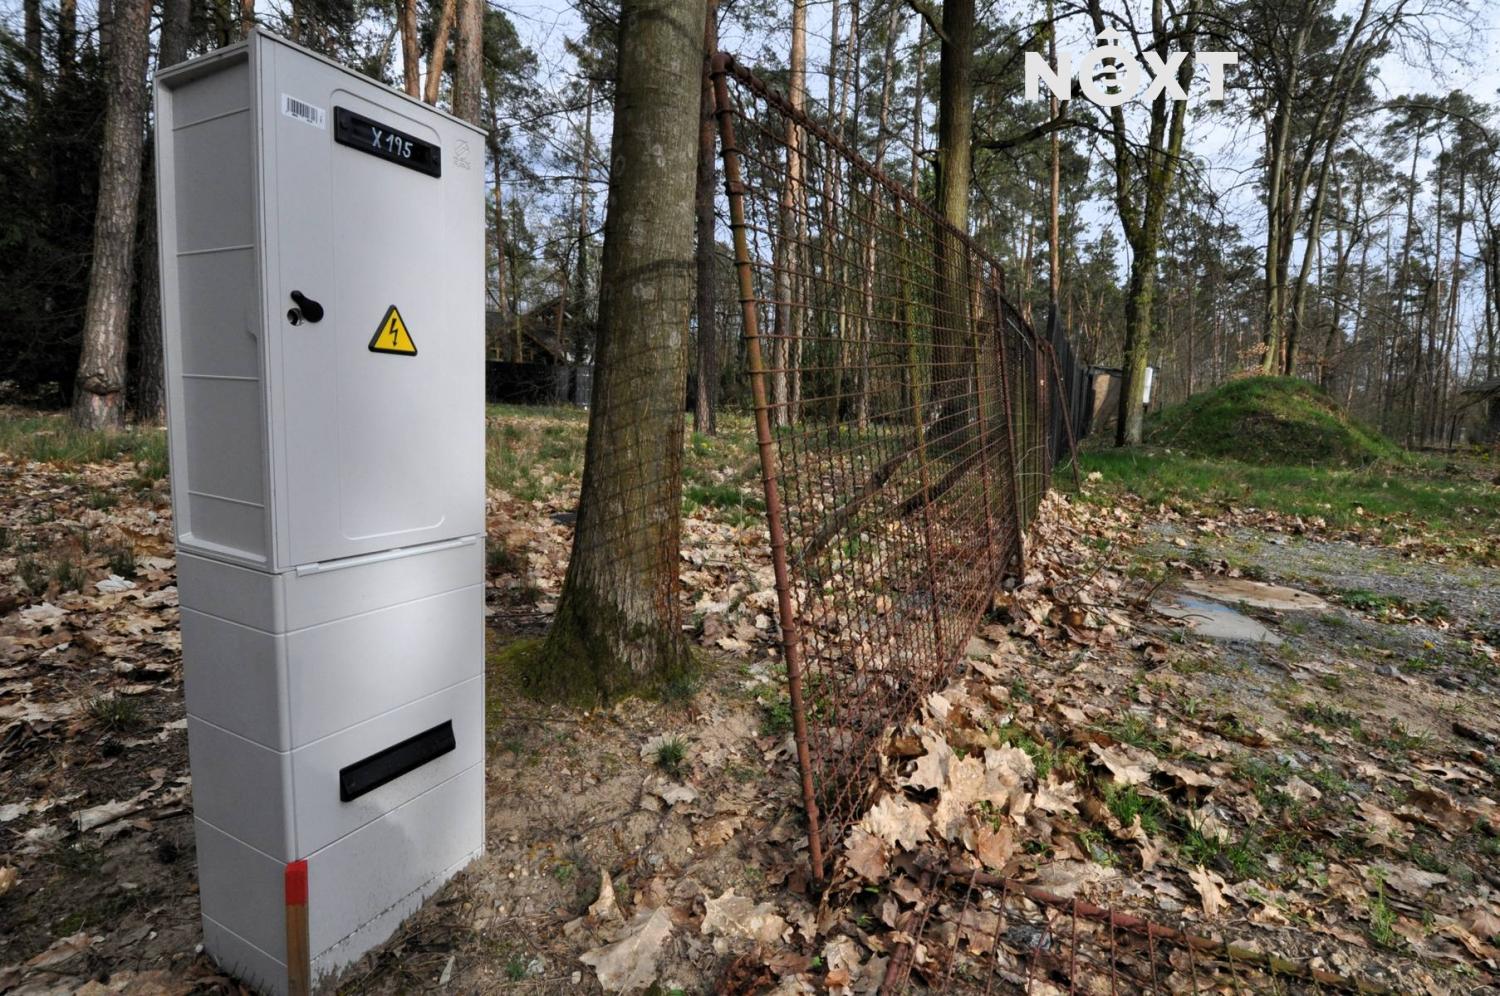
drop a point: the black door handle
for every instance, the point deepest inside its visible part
(311, 310)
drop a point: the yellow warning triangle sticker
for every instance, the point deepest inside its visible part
(391, 335)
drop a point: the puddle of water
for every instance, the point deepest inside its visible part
(1214, 619)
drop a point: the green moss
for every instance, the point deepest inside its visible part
(579, 664)
(1267, 420)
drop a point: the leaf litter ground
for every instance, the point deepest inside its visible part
(1331, 799)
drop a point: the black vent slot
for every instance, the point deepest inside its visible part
(396, 760)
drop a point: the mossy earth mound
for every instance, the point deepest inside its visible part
(1269, 420)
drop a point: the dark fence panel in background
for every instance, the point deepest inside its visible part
(537, 383)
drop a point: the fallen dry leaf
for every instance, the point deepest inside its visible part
(604, 908)
(1127, 768)
(897, 821)
(865, 855)
(1210, 888)
(630, 962)
(61, 950)
(731, 916)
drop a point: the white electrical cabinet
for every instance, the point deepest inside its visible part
(322, 248)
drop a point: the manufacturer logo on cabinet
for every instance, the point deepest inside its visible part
(392, 335)
(1109, 75)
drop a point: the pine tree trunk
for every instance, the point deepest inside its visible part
(786, 261)
(581, 348)
(618, 626)
(708, 333)
(468, 69)
(67, 36)
(149, 386)
(439, 53)
(493, 141)
(99, 390)
(32, 35)
(411, 51)
(1054, 200)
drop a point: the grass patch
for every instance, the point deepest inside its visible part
(1384, 607)
(1330, 717)
(671, 756)
(776, 716)
(121, 561)
(66, 575)
(1241, 859)
(53, 438)
(726, 498)
(1126, 804)
(114, 713)
(1382, 917)
(1391, 500)
(1137, 732)
(1045, 757)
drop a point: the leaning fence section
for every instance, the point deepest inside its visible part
(908, 419)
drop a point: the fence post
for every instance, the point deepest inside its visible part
(790, 645)
(1010, 426)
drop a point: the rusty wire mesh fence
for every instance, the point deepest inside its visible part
(973, 932)
(908, 420)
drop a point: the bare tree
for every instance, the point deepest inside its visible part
(1143, 179)
(99, 389)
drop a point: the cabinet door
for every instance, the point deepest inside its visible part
(382, 431)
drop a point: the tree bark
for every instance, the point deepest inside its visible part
(247, 17)
(787, 255)
(99, 390)
(618, 626)
(439, 53)
(468, 71)
(493, 141)
(67, 36)
(705, 397)
(411, 51)
(581, 264)
(149, 386)
(950, 260)
(32, 39)
(1054, 254)
(106, 30)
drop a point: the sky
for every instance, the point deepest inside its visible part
(1469, 60)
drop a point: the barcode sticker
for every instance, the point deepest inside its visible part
(303, 111)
